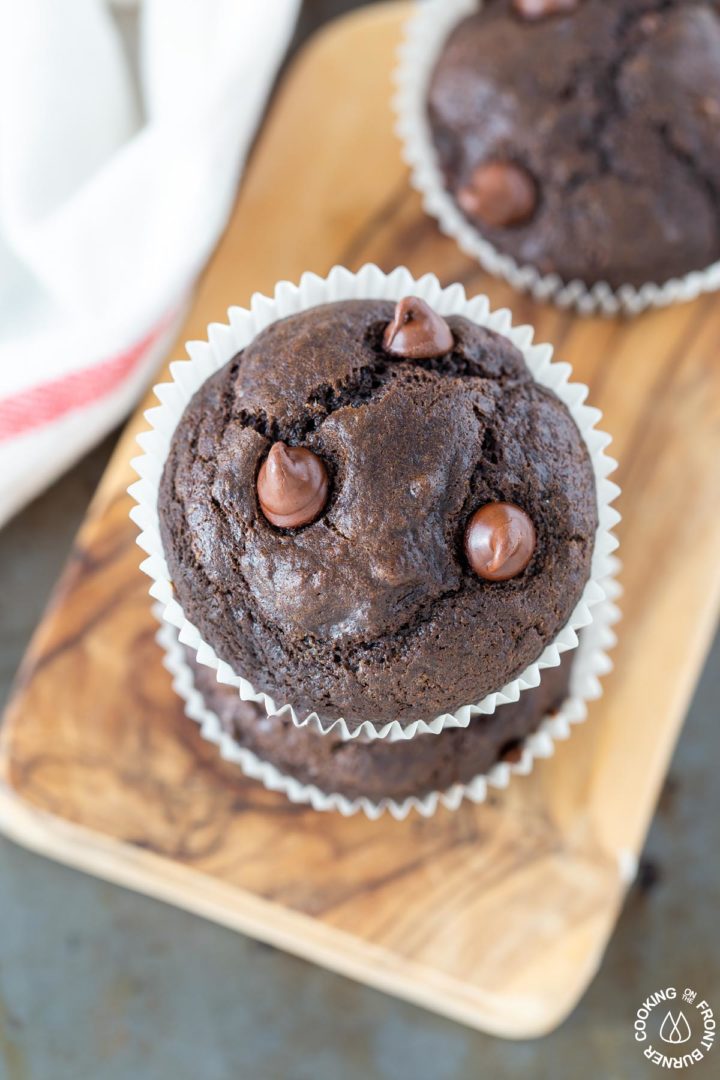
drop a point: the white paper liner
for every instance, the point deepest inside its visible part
(589, 665)
(244, 325)
(425, 33)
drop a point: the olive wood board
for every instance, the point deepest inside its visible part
(496, 915)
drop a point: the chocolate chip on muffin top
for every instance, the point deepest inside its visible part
(316, 498)
(583, 137)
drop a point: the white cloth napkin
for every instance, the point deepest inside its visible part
(123, 129)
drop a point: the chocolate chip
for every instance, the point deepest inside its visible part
(292, 486)
(417, 332)
(499, 541)
(499, 194)
(540, 9)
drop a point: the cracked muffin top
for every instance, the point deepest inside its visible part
(376, 513)
(583, 137)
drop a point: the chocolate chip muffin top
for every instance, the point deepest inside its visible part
(386, 603)
(583, 137)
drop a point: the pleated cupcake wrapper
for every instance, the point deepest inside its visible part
(589, 665)
(425, 34)
(225, 340)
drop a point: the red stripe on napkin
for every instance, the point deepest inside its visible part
(40, 405)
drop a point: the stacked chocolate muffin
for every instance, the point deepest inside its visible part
(376, 514)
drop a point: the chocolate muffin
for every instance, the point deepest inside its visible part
(380, 768)
(583, 137)
(375, 513)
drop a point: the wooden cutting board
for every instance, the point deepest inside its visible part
(495, 915)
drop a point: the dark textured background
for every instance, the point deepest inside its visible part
(97, 983)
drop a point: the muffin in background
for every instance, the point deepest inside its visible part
(582, 138)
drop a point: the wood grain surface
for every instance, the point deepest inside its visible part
(495, 915)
